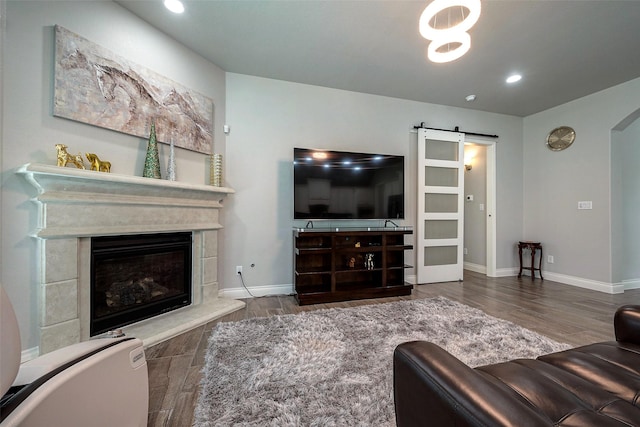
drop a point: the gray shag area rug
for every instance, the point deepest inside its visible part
(334, 367)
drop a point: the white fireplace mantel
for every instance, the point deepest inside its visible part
(75, 205)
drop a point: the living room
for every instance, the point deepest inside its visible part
(537, 190)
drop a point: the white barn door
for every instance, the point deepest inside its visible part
(440, 218)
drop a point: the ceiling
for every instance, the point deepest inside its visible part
(563, 49)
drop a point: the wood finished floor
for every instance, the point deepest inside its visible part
(565, 313)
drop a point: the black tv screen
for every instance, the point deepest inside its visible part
(343, 185)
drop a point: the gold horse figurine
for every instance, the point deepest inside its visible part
(64, 157)
(97, 164)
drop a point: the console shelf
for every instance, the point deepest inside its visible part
(331, 265)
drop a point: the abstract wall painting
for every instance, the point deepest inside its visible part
(95, 86)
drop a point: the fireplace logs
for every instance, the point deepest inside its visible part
(137, 277)
(133, 291)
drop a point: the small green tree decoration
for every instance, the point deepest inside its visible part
(152, 161)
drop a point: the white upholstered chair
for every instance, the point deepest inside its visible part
(101, 382)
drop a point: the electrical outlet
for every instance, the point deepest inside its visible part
(238, 269)
(549, 259)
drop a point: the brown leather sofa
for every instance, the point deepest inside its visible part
(594, 385)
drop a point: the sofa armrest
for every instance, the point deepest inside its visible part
(626, 323)
(40, 366)
(103, 383)
(432, 387)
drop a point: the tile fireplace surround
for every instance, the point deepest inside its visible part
(75, 205)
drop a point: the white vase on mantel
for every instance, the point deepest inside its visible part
(171, 164)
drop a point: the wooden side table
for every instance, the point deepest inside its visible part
(533, 247)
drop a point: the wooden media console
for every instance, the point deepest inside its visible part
(345, 264)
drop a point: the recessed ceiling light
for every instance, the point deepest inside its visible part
(174, 6)
(514, 78)
(470, 98)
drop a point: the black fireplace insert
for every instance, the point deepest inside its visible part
(135, 277)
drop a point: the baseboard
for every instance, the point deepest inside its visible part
(629, 284)
(507, 272)
(482, 269)
(413, 279)
(609, 288)
(29, 354)
(257, 291)
(594, 285)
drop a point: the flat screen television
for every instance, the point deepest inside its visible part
(337, 185)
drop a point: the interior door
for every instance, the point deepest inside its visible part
(440, 217)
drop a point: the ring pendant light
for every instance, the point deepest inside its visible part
(453, 34)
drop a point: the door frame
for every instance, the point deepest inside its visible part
(491, 214)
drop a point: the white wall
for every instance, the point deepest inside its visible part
(554, 182)
(270, 117)
(30, 132)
